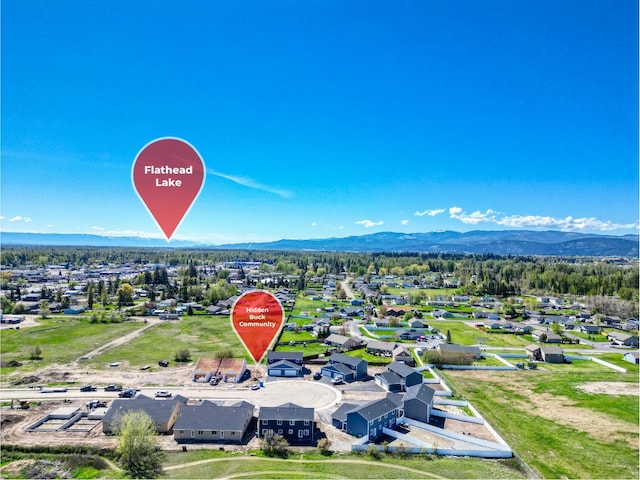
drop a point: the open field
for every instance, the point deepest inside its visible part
(202, 335)
(62, 340)
(554, 421)
(207, 464)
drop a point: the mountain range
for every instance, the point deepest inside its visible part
(501, 242)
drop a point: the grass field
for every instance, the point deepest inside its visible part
(558, 428)
(207, 464)
(62, 340)
(202, 335)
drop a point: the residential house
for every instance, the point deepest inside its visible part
(294, 357)
(164, 412)
(366, 420)
(398, 377)
(209, 422)
(417, 323)
(545, 353)
(631, 357)
(377, 347)
(405, 334)
(295, 423)
(352, 311)
(402, 354)
(216, 310)
(625, 339)
(284, 368)
(519, 327)
(551, 337)
(342, 342)
(589, 329)
(382, 322)
(439, 313)
(418, 402)
(350, 368)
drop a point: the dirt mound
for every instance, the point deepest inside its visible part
(27, 380)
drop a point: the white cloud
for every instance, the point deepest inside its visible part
(18, 218)
(314, 224)
(404, 222)
(369, 223)
(566, 224)
(537, 221)
(250, 183)
(472, 218)
(431, 213)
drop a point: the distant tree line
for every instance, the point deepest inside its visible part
(198, 278)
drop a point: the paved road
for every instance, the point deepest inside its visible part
(302, 392)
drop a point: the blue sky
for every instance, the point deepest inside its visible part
(324, 118)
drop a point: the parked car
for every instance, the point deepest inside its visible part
(88, 388)
(255, 386)
(163, 394)
(113, 388)
(128, 393)
(163, 363)
(96, 404)
(338, 380)
(317, 376)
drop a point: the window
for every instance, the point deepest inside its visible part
(200, 432)
(264, 432)
(214, 432)
(181, 432)
(292, 422)
(279, 422)
(264, 422)
(306, 432)
(306, 423)
(221, 434)
(291, 431)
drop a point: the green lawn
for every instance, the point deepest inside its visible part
(202, 335)
(313, 466)
(553, 424)
(62, 340)
(593, 338)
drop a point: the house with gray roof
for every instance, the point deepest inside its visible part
(342, 342)
(295, 423)
(625, 339)
(378, 347)
(295, 357)
(398, 377)
(351, 368)
(418, 402)
(366, 420)
(164, 412)
(209, 422)
(284, 368)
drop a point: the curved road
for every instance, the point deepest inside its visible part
(302, 392)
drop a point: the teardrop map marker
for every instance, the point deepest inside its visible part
(168, 175)
(257, 317)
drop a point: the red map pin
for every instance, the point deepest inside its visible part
(168, 175)
(257, 317)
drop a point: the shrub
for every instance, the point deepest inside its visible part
(275, 445)
(182, 355)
